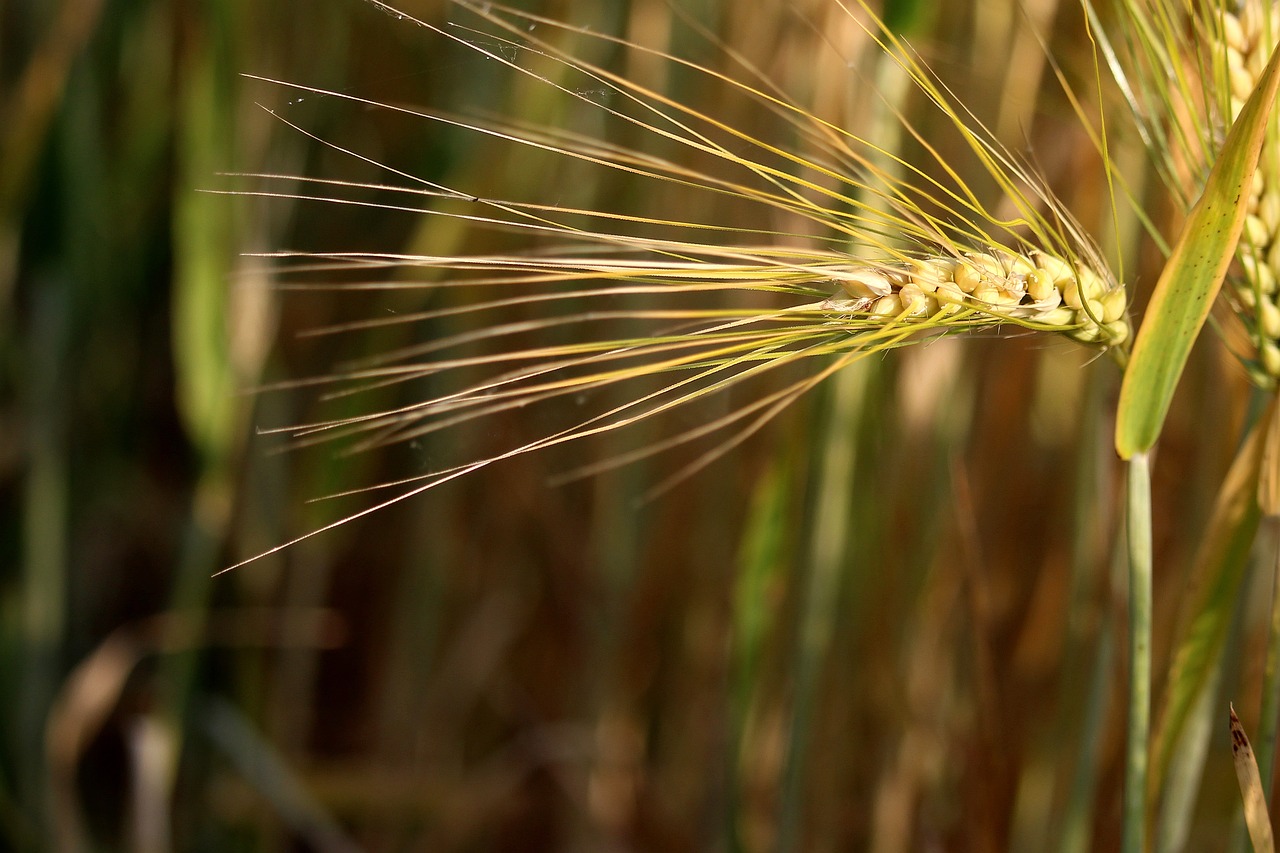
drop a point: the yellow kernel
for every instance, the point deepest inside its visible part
(1256, 232)
(1270, 318)
(988, 265)
(1091, 284)
(915, 302)
(1258, 272)
(1242, 81)
(1267, 279)
(1269, 210)
(865, 283)
(1014, 265)
(1273, 256)
(928, 273)
(1088, 331)
(1117, 331)
(1235, 58)
(1060, 316)
(1071, 295)
(1058, 270)
(950, 298)
(1054, 300)
(922, 276)
(1096, 310)
(967, 277)
(1250, 22)
(1271, 358)
(1008, 295)
(887, 306)
(1246, 297)
(1233, 33)
(1113, 305)
(1041, 286)
(987, 293)
(897, 276)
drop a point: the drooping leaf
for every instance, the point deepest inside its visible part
(1255, 802)
(1184, 294)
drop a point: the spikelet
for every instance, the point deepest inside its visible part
(1037, 290)
(882, 257)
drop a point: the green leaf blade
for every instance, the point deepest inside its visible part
(1194, 273)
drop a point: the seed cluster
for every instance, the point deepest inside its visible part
(1037, 289)
(1250, 36)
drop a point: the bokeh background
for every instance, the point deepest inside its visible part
(891, 621)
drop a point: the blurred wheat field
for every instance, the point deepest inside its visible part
(890, 618)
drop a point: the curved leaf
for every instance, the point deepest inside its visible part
(1184, 294)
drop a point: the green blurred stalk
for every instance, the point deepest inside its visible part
(1087, 672)
(1186, 768)
(828, 549)
(45, 507)
(761, 561)
(1139, 725)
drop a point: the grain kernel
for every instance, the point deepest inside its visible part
(915, 302)
(928, 273)
(1269, 210)
(1060, 316)
(1259, 272)
(1071, 295)
(1117, 331)
(1256, 231)
(1113, 305)
(1235, 59)
(887, 306)
(1233, 33)
(1242, 81)
(1058, 270)
(1088, 331)
(1270, 319)
(988, 293)
(1271, 359)
(866, 283)
(988, 266)
(967, 277)
(1091, 284)
(1041, 286)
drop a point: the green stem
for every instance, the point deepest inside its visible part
(1139, 653)
(830, 550)
(1135, 781)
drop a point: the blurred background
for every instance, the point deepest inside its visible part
(890, 621)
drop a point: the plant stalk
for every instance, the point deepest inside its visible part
(1139, 728)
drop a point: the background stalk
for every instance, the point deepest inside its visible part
(1266, 748)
